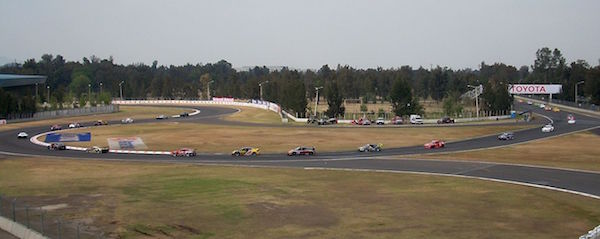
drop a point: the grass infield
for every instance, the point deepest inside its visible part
(143, 200)
(223, 139)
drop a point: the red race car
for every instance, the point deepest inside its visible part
(184, 152)
(434, 144)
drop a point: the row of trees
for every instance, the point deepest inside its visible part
(72, 81)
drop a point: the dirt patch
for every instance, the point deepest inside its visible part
(308, 215)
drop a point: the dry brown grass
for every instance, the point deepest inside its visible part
(577, 151)
(223, 139)
(188, 201)
(254, 115)
(135, 112)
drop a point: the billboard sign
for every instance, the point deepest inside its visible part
(68, 137)
(126, 143)
(533, 89)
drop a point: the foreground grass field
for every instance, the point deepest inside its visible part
(135, 112)
(576, 151)
(142, 200)
(223, 139)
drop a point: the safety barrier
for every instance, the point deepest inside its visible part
(67, 113)
(592, 234)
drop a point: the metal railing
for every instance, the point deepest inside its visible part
(581, 105)
(49, 223)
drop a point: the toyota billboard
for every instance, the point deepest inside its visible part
(533, 89)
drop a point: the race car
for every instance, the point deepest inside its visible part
(97, 150)
(445, 120)
(380, 121)
(547, 128)
(547, 108)
(529, 102)
(161, 117)
(100, 122)
(22, 135)
(74, 125)
(55, 127)
(246, 151)
(571, 119)
(302, 151)
(397, 120)
(184, 152)
(184, 114)
(555, 109)
(57, 146)
(542, 106)
(506, 136)
(434, 144)
(127, 121)
(370, 148)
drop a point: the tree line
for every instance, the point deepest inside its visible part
(82, 81)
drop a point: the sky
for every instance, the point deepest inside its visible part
(303, 34)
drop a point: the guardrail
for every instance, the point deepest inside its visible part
(574, 109)
(265, 105)
(66, 113)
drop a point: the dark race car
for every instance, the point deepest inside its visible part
(57, 146)
(370, 148)
(445, 120)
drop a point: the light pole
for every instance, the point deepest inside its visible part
(48, 96)
(477, 92)
(121, 89)
(208, 89)
(578, 83)
(317, 99)
(36, 92)
(260, 86)
(90, 94)
(100, 88)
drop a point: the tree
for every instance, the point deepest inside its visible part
(79, 85)
(335, 100)
(402, 99)
(452, 106)
(592, 85)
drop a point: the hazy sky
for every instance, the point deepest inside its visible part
(302, 34)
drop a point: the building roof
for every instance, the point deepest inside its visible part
(10, 80)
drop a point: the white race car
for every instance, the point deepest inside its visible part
(22, 135)
(571, 119)
(74, 125)
(542, 106)
(547, 128)
(127, 121)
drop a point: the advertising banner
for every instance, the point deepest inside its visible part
(68, 137)
(532, 89)
(126, 143)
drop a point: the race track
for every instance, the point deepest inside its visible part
(574, 181)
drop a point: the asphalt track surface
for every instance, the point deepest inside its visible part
(576, 181)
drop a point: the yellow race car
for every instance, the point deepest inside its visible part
(555, 109)
(246, 151)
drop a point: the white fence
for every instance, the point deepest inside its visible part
(265, 105)
(68, 113)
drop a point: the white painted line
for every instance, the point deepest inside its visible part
(461, 176)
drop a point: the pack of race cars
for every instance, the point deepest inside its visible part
(298, 151)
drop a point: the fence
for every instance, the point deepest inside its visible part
(62, 113)
(49, 223)
(435, 115)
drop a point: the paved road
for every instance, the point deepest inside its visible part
(584, 182)
(6, 235)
